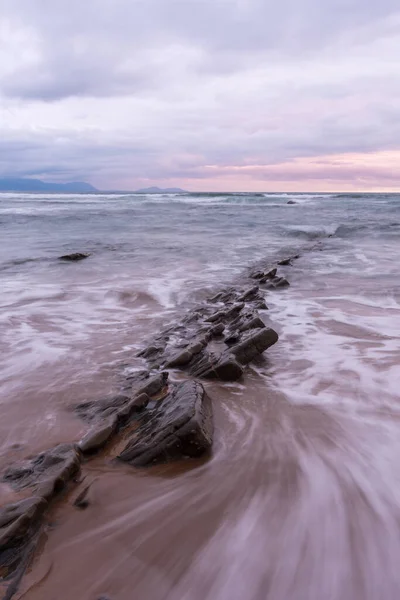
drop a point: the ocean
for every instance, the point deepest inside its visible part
(301, 498)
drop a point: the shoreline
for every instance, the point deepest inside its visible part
(228, 332)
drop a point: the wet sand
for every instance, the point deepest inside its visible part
(290, 506)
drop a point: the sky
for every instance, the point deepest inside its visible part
(224, 95)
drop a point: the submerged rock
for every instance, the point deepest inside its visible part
(291, 202)
(180, 426)
(75, 256)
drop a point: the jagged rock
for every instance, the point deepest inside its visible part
(253, 321)
(253, 345)
(261, 305)
(281, 282)
(180, 426)
(100, 409)
(218, 316)
(19, 524)
(16, 520)
(98, 436)
(153, 385)
(217, 330)
(179, 360)
(136, 405)
(235, 310)
(75, 256)
(53, 468)
(250, 294)
(210, 366)
(232, 338)
(151, 352)
(257, 275)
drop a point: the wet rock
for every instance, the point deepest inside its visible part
(76, 256)
(257, 275)
(17, 519)
(291, 202)
(136, 405)
(210, 366)
(179, 360)
(101, 409)
(153, 385)
(180, 426)
(253, 344)
(281, 282)
(217, 330)
(268, 276)
(19, 525)
(53, 467)
(235, 310)
(252, 321)
(98, 436)
(285, 262)
(250, 294)
(232, 338)
(261, 305)
(218, 316)
(151, 352)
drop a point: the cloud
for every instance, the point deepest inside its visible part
(123, 92)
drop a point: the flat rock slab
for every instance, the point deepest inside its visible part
(180, 426)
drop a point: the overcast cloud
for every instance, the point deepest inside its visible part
(205, 94)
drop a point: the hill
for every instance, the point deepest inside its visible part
(157, 190)
(8, 184)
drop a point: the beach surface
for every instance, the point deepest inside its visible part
(299, 497)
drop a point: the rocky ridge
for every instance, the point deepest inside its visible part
(158, 420)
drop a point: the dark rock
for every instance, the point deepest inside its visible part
(218, 316)
(253, 345)
(98, 436)
(210, 366)
(53, 467)
(19, 526)
(250, 294)
(75, 256)
(180, 359)
(281, 282)
(232, 338)
(234, 310)
(261, 305)
(101, 409)
(17, 519)
(136, 405)
(253, 321)
(197, 347)
(153, 385)
(291, 202)
(257, 275)
(217, 330)
(285, 262)
(151, 352)
(180, 426)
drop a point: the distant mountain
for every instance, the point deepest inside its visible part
(36, 185)
(157, 190)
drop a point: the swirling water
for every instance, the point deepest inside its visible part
(301, 498)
